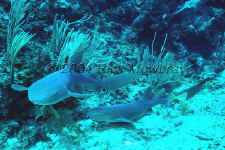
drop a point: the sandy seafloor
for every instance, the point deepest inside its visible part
(194, 124)
(195, 121)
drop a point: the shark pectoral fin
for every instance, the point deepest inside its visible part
(78, 95)
(17, 87)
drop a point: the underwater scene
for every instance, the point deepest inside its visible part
(112, 75)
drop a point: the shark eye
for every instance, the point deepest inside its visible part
(104, 90)
(87, 116)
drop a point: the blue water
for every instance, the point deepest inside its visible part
(112, 75)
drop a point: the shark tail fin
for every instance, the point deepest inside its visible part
(148, 94)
